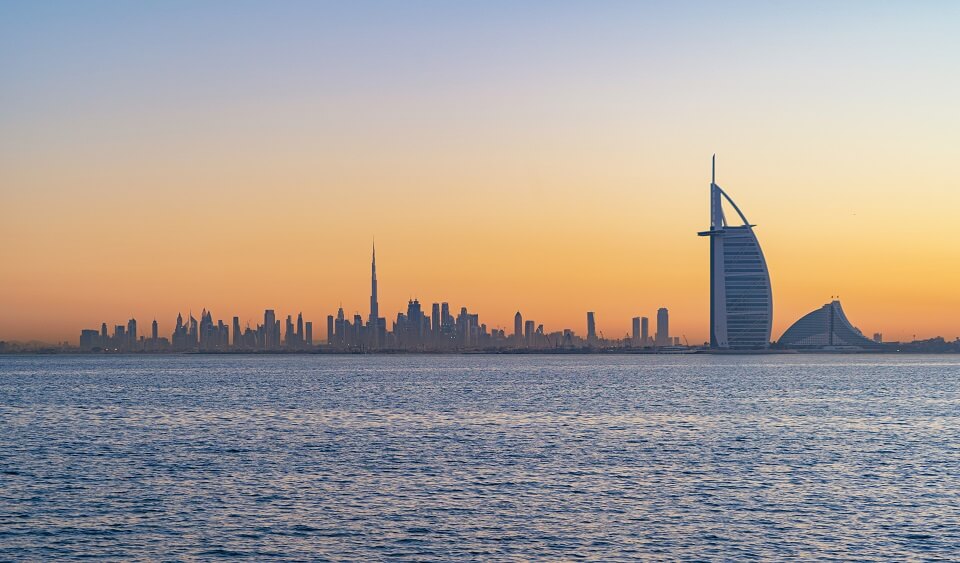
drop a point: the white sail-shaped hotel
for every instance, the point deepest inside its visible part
(741, 301)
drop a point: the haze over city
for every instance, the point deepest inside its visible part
(240, 157)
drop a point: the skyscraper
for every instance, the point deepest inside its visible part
(635, 333)
(289, 338)
(644, 331)
(237, 336)
(374, 304)
(591, 327)
(518, 327)
(663, 327)
(416, 324)
(741, 300)
(272, 333)
(154, 330)
(89, 339)
(132, 333)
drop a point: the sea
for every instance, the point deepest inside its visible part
(479, 457)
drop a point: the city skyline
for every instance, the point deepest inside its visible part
(505, 156)
(412, 330)
(741, 309)
(740, 313)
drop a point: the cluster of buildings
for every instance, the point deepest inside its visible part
(413, 330)
(124, 338)
(441, 330)
(741, 298)
(640, 331)
(741, 315)
(203, 336)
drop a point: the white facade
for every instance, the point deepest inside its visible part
(741, 299)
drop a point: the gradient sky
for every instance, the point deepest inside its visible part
(548, 156)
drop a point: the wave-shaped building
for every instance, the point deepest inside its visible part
(825, 328)
(741, 300)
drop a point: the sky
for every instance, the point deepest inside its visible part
(551, 157)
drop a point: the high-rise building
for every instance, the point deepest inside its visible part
(272, 332)
(446, 321)
(374, 304)
(340, 327)
(415, 324)
(644, 331)
(663, 327)
(131, 333)
(518, 327)
(192, 338)
(529, 328)
(237, 336)
(154, 330)
(89, 339)
(435, 320)
(289, 338)
(591, 327)
(741, 300)
(308, 338)
(179, 337)
(330, 333)
(635, 333)
(206, 330)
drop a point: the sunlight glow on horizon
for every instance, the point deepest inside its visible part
(551, 158)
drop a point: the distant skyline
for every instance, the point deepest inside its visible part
(552, 157)
(441, 328)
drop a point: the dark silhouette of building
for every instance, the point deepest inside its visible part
(413, 330)
(131, 342)
(374, 303)
(271, 330)
(89, 339)
(663, 327)
(591, 327)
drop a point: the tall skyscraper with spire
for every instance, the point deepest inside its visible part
(374, 305)
(741, 300)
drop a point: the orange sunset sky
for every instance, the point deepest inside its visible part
(552, 158)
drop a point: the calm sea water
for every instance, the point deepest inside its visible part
(479, 457)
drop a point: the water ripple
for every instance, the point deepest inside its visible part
(479, 457)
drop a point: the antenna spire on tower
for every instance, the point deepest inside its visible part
(713, 169)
